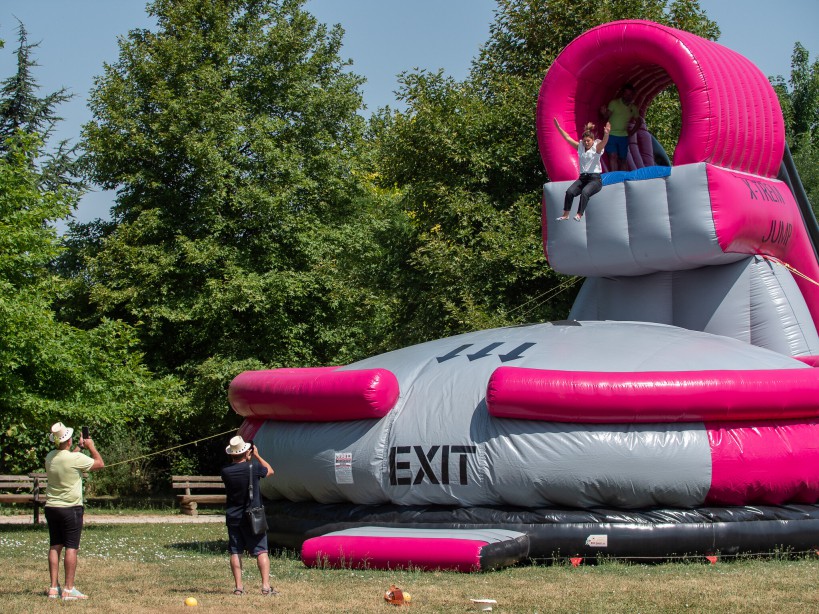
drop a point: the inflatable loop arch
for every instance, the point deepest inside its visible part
(738, 127)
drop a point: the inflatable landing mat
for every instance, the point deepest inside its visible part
(463, 550)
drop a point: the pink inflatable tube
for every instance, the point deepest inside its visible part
(730, 112)
(644, 397)
(320, 394)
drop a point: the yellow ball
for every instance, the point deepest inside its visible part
(407, 597)
(191, 601)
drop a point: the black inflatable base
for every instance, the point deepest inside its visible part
(559, 533)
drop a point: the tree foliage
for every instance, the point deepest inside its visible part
(799, 99)
(231, 135)
(463, 159)
(261, 222)
(50, 370)
(23, 109)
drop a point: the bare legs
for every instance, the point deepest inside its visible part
(616, 163)
(236, 568)
(263, 562)
(70, 565)
(54, 564)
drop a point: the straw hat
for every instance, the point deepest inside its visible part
(237, 446)
(60, 433)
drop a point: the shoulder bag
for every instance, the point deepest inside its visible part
(255, 515)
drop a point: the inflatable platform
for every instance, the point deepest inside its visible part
(674, 412)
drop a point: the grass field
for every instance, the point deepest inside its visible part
(153, 568)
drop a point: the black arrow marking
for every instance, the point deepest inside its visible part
(484, 352)
(454, 353)
(516, 353)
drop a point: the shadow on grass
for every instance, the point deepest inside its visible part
(43, 528)
(218, 546)
(198, 590)
(17, 528)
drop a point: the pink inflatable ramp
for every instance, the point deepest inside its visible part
(652, 396)
(398, 547)
(320, 394)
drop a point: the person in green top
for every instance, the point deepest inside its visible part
(64, 505)
(619, 112)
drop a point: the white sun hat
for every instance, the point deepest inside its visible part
(60, 433)
(237, 446)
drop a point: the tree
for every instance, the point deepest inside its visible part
(231, 134)
(23, 110)
(50, 370)
(464, 162)
(800, 106)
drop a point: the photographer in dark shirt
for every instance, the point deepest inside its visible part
(241, 538)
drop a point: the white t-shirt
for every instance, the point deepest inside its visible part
(589, 160)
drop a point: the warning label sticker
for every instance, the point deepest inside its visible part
(344, 467)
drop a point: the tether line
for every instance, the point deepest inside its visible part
(181, 445)
(793, 270)
(550, 294)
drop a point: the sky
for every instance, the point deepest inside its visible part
(382, 38)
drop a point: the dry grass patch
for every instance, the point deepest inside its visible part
(151, 568)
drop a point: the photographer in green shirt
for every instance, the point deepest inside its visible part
(64, 505)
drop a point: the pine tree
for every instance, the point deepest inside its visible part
(22, 109)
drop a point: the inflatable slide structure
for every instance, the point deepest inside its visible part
(674, 412)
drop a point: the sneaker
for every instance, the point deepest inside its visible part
(55, 592)
(73, 595)
(561, 219)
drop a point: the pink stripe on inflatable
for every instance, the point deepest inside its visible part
(753, 215)
(813, 361)
(249, 428)
(730, 113)
(767, 464)
(389, 553)
(319, 394)
(588, 397)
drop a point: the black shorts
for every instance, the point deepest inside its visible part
(241, 539)
(64, 525)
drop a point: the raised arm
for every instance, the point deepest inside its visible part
(602, 144)
(565, 135)
(88, 444)
(635, 125)
(262, 461)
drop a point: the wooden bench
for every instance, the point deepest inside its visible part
(24, 489)
(189, 501)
